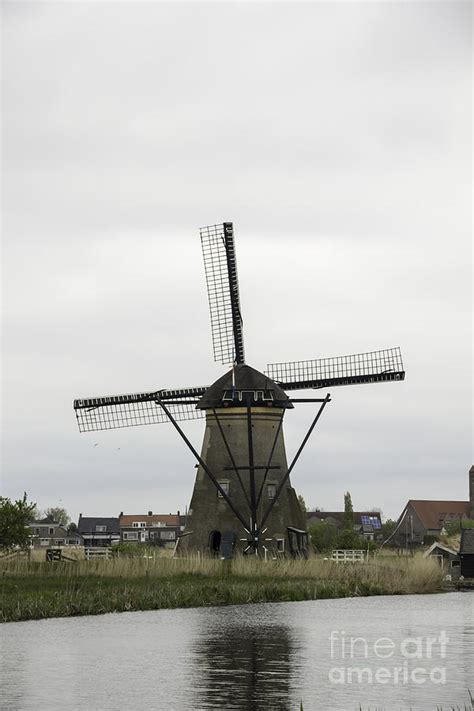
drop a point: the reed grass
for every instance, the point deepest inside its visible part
(35, 590)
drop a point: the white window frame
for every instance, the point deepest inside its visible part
(273, 487)
(225, 484)
(130, 535)
(280, 545)
(101, 529)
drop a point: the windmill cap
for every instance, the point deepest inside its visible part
(233, 388)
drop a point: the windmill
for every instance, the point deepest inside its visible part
(242, 498)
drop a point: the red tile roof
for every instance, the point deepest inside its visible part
(433, 513)
(164, 519)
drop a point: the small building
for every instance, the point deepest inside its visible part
(421, 518)
(471, 490)
(99, 530)
(447, 557)
(154, 529)
(48, 533)
(366, 523)
(466, 552)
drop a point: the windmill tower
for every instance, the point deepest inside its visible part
(243, 498)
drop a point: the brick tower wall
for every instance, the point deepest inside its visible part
(209, 512)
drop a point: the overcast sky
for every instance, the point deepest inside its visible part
(336, 137)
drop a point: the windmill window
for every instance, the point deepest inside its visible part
(225, 486)
(271, 491)
(280, 545)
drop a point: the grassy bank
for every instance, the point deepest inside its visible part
(38, 590)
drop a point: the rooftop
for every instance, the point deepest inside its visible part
(467, 541)
(432, 514)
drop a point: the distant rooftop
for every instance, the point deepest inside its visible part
(432, 514)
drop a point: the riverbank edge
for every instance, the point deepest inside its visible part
(24, 598)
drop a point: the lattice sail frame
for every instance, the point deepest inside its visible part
(220, 266)
(371, 367)
(116, 411)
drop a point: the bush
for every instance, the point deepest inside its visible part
(323, 536)
(453, 528)
(327, 537)
(350, 540)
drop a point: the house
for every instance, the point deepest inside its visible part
(366, 523)
(50, 534)
(466, 552)
(421, 518)
(154, 529)
(447, 557)
(99, 530)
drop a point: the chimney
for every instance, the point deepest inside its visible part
(179, 513)
(150, 513)
(120, 514)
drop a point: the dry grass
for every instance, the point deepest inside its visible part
(391, 575)
(38, 590)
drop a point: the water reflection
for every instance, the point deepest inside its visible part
(250, 657)
(244, 665)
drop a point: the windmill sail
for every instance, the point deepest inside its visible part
(220, 266)
(373, 367)
(115, 411)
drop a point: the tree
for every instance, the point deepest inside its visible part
(58, 515)
(348, 538)
(302, 503)
(454, 527)
(14, 519)
(323, 536)
(348, 512)
(388, 528)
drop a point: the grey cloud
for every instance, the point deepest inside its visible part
(336, 137)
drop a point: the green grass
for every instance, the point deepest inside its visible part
(38, 590)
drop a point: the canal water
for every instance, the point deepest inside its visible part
(407, 652)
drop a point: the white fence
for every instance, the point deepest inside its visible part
(94, 553)
(343, 556)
